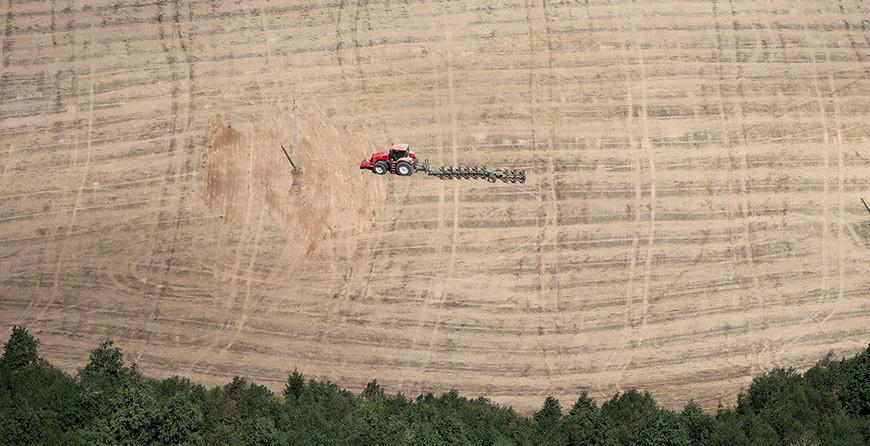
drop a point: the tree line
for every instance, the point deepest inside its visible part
(109, 402)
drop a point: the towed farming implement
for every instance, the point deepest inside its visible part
(400, 160)
(491, 175)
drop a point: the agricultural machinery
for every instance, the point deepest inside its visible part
(400, 160)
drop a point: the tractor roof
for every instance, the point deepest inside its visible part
(400, 147)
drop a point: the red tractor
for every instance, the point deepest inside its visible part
(399, 160)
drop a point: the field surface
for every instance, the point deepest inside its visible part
(692, 215)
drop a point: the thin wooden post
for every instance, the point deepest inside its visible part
(294, 160)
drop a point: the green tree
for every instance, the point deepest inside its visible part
(450, 429)
(180, 420)
(373, 391)
(20, 350)
(112, 404)
(855, 377)
(293, 388)
(38, 402)
(729, 430)
(133, 418)
(259, 431)
(95, 433)
(626, 414)
(424, 435)
(106, 363)
(663, 430)
(795, 408)
(583, 423)
(699, 426)
(548, 423)
(372, 428)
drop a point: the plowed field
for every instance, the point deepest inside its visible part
(692, 214)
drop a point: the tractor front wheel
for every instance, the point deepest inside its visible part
(404, 169)
(380, 168)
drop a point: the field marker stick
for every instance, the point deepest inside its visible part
(293, 158)
(288, 157)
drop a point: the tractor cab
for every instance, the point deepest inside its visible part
(399, 151)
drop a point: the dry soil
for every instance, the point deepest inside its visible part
(691, 219)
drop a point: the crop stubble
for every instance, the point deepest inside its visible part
(691, 216)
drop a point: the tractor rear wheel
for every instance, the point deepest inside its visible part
(404, 169)
(380, 168)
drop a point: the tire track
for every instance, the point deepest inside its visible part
(744, 157)
(628, 322)
(339, 38)
(171, 174)
(232, 296)
(637, 334)
(249, 277)
(354, 31)
(554, 217)
(169, 188)
(352, 280)
(848, 28)
(6, 163)
(454, 233)
(826, 286)
(650, 246)
(438, 293)
(366, 97)
(8, 48)
(541, 218)
(172, 168)
(53, 243)
(435, 286)
(77, 204)
(841, 204)
(486, 331)
(727, 143)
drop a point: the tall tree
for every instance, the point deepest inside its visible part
(133, 416)
(855, 393)
(373, 391)
(293, 388)
(548, 423)
(699, 426)
(106, 363)
(20, 350)
(625, 414)
(663, 430)
(583, 424)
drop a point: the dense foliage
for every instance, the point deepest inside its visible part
(110, 403)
